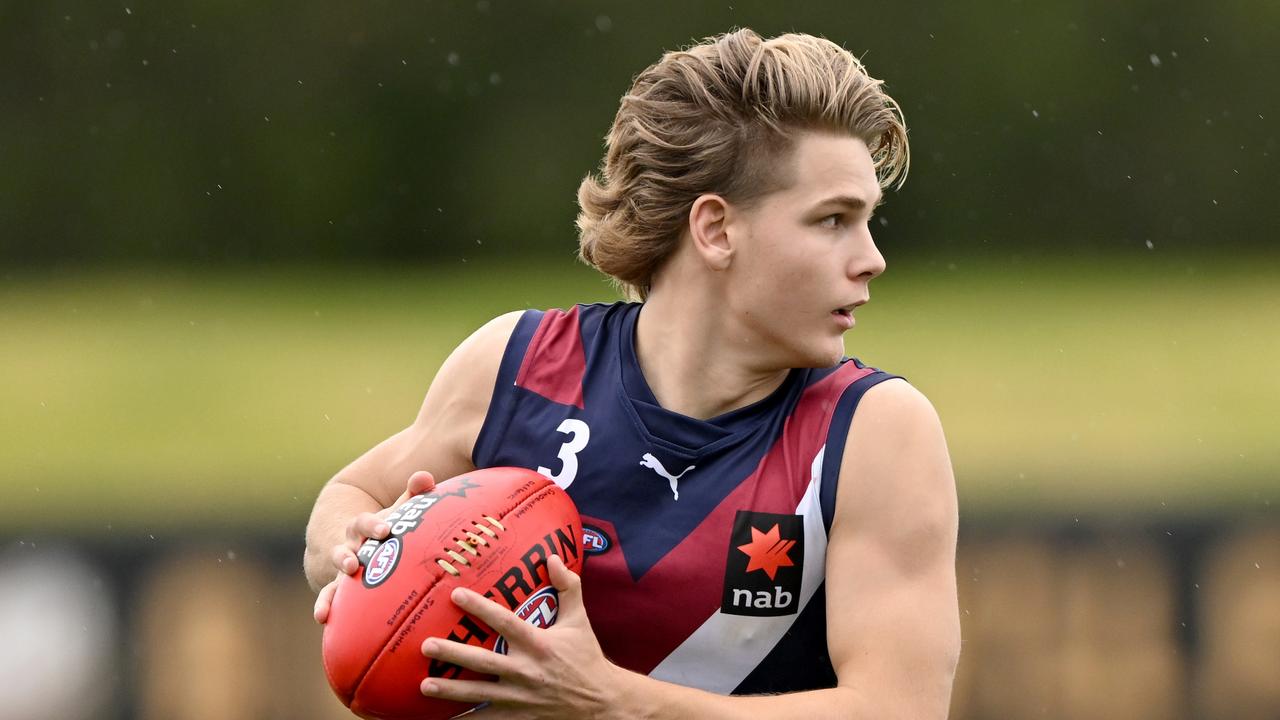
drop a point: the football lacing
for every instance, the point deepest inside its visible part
(469, 545)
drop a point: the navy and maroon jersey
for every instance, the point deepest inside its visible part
(705, 540)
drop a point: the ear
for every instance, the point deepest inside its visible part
(708, 228)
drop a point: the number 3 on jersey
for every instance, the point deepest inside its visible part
(579, 434)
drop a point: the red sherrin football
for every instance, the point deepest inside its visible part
(489, 530)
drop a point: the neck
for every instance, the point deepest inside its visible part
(696, 361)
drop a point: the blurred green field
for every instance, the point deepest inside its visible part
(155, 399)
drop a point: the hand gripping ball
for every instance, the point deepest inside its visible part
(489, 530)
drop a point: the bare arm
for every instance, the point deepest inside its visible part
(893, 622)
(440, 440)
(892, 617)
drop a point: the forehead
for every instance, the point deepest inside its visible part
(826, 165)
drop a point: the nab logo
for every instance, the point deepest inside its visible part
(765, 566)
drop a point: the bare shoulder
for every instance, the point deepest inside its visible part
(895, 475)
(442, 435)
(477, 358)
(491, 338)
(895, 407)
(462, 389)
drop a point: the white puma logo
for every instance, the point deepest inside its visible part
(651, 462)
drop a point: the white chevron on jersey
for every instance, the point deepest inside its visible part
(701, 660)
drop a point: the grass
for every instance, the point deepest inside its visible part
(156, 399)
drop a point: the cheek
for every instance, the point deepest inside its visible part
(782, 278)
(786, 263)
(797, 282)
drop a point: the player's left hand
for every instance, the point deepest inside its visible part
(555, 672)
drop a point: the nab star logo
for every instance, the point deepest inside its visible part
(457, 487)
(765, 565)
(767, 551)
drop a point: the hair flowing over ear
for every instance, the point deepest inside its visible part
(721, 117)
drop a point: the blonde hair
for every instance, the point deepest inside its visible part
(717, 118)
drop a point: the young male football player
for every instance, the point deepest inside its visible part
(771, 526)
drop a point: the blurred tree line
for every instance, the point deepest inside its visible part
(234, 131)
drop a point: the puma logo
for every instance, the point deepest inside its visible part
(652, 463)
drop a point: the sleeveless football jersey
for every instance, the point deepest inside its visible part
(705, 541)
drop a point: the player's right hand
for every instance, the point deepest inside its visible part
(364, 526)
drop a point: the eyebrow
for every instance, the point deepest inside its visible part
(854, 203)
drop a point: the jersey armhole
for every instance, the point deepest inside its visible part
(502, 405)
(837, 434)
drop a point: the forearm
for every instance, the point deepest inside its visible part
(649, 699)
(337, 504)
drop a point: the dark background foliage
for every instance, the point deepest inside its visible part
(429, 131)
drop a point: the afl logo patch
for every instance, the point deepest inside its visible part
(539, 610)
(594, 541)
(382, 562)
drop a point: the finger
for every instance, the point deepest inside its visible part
(517, 631)
(469, 691)
(567, 583)
(366, 525)
(420, 482)
(344, 559)
(324, 601)
(471, 657)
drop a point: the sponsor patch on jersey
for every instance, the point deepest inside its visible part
(765, 565)
(539, 610)
(594, 540)
(382, 562)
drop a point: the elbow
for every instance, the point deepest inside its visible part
(944, 681)
(313, 567)
(317, 562)
(923, 693)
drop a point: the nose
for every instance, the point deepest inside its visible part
(869, 262)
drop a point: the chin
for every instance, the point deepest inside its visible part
(814, 349)
(820, 357)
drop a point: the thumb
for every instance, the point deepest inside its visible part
(567, 584)
(420, 482)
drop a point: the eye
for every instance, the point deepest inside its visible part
(831, 221)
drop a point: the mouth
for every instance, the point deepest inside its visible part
(844, 315)
(847, 310)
